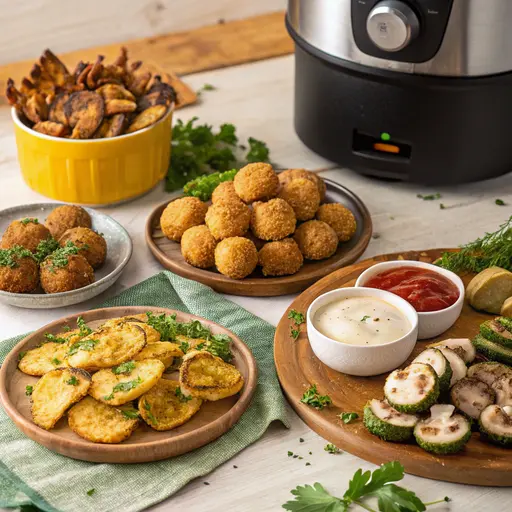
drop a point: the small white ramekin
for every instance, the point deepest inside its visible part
(362, 360)
(433, 323)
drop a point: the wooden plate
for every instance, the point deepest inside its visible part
(480, 463)
(145, 445)
(168, 253)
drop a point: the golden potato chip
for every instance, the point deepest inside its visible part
(111, 127)
(101, 423)
(122, 60)
(43, 359)
(138, 83)
(14, 97)
(54, 68)
(115, 92)
(206, 376)
(27, 87)
(56, 112)
(125, 382)
(55, 392)
(164, 407)
(152, 335)
(146, 118)
(84, 111)
(164, 351)
(35, 108)
(107, 346)
(51, 128)
(115, 106)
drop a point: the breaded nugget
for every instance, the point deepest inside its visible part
(19, 272)
(74, 274)
(180, 215)
(164, 351)
(256, 182)
(292, 174)
(93, 246)
(126, 382)
(55, 392)
(236, 257)
(273, 220)
(225, 191)
(316, 240)
(43, 359)
(302, 195)
(164, 407)
(340, 218)
(26, 233)
(66, 217)
(107, 346)
(280, 258)
(101, 423)
(203, 375)
(198, 247)
(226, 219)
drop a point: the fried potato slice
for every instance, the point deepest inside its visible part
(42, 80)
(83, 74)
(111, 127)
(27, 87)
(107, 346)
(115, 92)
(146, 118)
(44, 359)
(126, 382)
(164, 351)
(35, 108)
(14, 97)
(84, 111)
(164, 407)
(55, 392)
(160, 93)
(55, 68)
(99, 422)
(56, 112)
(51, 128)
(203, 375)
(138, 83)
(152, 335)
(116, 106)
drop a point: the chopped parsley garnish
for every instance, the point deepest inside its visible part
(290, 454)
(207, 87)
(27, 220)
(314, 399)
(220, 345)
(330, 448)
(29, 390)
(294, 333)
(308, 463)
(301, 440)
(21, 355)
(45, 248)
(298, 319)
(90, 492)
(348, 417)
(258, 151)
(56, 361)
(442, 206)
(151, 418)
(73, 381)
(66, 328)
(10, 257)
(55, 339)
(124, 368)
(127, 385)
(200, 346)
(84, 329)
(84, 344)
(181, 396)
(109, 397)
(184, 346)
(59, 258)
(130, 414)
(429, 197)
(365, 317)
(500, 202)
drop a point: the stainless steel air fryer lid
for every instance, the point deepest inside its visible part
(418, 90)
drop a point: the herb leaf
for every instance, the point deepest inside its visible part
(220, 346)
(124, 368)
(365, 317)
(90, 492)
(429, 197)
(130, 414)
(184, 346)
(181, 396)
(29, 390)
(59, 258)
(84, 344)
(314, 499)
(127, 385)
(56, 361)
(55, 339)
(84, 329)
(500, 202)
(27, 220)
(45, 248)
(10, 257)
(73, 381)
(331, 448)
(348, 417)
(151, 418)
(258, 151)
(314, 399)
(296, 316)
(203, 186)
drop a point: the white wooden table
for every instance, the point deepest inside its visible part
(258, 99)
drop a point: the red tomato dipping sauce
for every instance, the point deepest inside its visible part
(424, 289)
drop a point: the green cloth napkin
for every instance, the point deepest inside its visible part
(30, 473)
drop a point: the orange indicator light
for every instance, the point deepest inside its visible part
(386, 148)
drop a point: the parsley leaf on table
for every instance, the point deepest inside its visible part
(348, 417)
(314, 399)
(314, 499)
(331, 448)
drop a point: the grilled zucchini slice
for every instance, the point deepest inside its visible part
(471, 396)
(438, 361)
(461, 346)
(489, 372)
(496, 330)
(164, 351)
(496, 424)
(492, 350)
(384, 421)
(503, 389)
(457, 364)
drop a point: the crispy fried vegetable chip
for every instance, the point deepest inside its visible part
(56, 113)
(35, 108)
(84, 111)
(115, 106)
(111, 127)
(51, 128)
(112, 91)
(54, 68)
(164, 351)
(146, 118)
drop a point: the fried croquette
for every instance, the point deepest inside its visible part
(236, 257)
(66, 217)
(25, 233)
(93, 246)
(303, 196)
(226, 219)
(316, 240)
(280, 258)
(19, 272)
(340, 218)
(225, 191)
(292, 174)
(180, 215)
(75, 273)
(273, 220)
(256, 182)
(198, 247)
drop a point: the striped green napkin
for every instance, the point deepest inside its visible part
(31, 474)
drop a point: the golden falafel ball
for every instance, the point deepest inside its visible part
(66, 217)
(96, 250)
(236, 257)
(273, 220)
(57, 276)
(302, 195)
(225, 191)
(281, 258)
(293, 174)
(19, 272)
(24, 233)
(226, 219)
(256, 182)
(340, 218)
(316, 240)
(181, 214)
(198, 247)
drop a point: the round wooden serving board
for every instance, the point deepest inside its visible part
(146, 444)
(480, 463)
(168, 253)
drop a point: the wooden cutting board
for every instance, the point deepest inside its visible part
(480, 463)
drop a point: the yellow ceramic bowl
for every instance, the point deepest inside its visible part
(94, 171)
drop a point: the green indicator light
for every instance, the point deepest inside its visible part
(385, 136)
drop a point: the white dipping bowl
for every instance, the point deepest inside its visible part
(362, 360)
(432, 323)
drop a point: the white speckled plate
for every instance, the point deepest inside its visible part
(119, 251)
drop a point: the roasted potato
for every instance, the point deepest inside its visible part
(56, 112)
(44, 359)
(112, 91)
(84, 111)
(164, 351)
(152, 335)
(51, 128)
(147, 117)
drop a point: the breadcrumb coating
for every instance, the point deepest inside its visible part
(256, 182)
(226, 219)
(198, 247)
(273, 220)
(316, 240)
(340, 218)
(303, 196)
(181, 214)
(293, 174)
(225, 191)
(280, 258)
(236, 257)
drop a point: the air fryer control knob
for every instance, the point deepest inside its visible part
(392, 25)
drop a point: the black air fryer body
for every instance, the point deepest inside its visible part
(417, 105)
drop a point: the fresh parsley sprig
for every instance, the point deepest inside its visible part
(124, 368)
(314, 399)
(84, 329)
(55, 339)
(348, 417)
(298, 319)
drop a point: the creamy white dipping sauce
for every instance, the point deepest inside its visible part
(361, 321)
